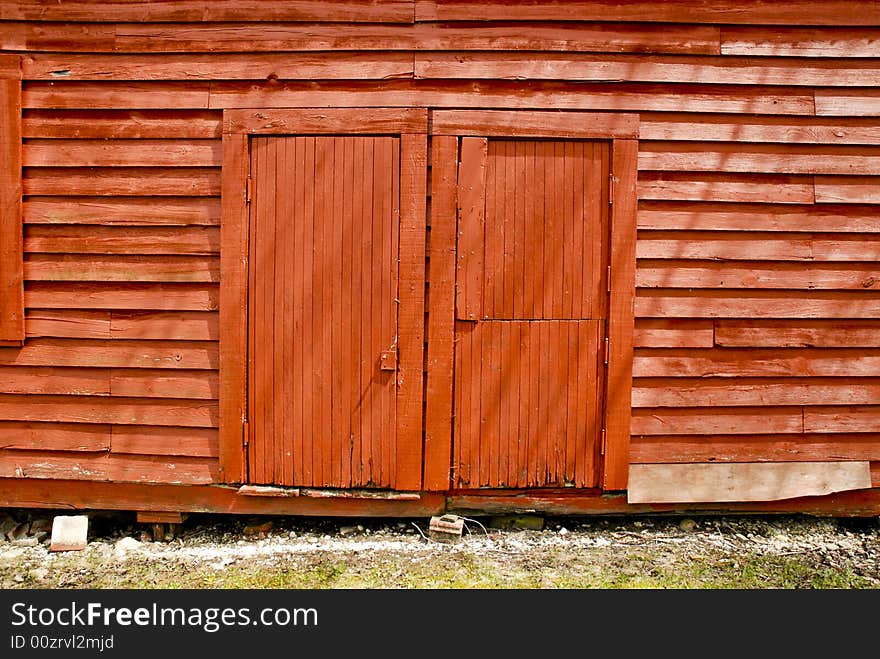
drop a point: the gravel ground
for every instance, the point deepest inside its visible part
(217, 551)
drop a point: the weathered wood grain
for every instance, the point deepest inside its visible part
(123, 211)
(797, 333)
(717, 421)
(115, 181)
(117, 353)
(68, 323)
(673, 303)
(54, 436)
(153, 240)
(800, 42)
(121, 153)
(74, 267)
(675, 333)
(121, 124)
(753, 274)
(164, 440)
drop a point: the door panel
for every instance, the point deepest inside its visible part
(526, 403)
(531, 304)
(322, 311)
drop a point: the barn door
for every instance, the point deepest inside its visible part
(324, 326)
(530, 306)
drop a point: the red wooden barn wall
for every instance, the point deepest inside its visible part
(757, 306)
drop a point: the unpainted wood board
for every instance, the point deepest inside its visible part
(94, 295)
(102, 409)
(758, 129)
(82, 95)
(642, 68)
(77, 239)
(159, 441)
(220, 66)
(753, 448)
(54, 436)
(11, 300)
(116, 181)
(544, 95)
(50, 380)
(797, 333)
(441, 314)
(160, 383)
(107, 467)
(800, 42)
(760, 158)
(675, 333)
(797, 12)
(677, 303)
(862, 102)
(848, 189)
(727, 392)
(121, 124)
(139, 11)
(710, 186)
(865, 418)
(752, 362)
(74, 267)
(106, 152)
(194, 37)
(122, 211)
(707, 216)
(743, 481)
(67, 323)
(717, 421)
(117, 353)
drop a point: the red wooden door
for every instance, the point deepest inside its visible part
(322, 318)
(531, 305)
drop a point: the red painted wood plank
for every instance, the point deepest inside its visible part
(411, 310)
(107, 467)
(757, 217)
(797, 333)
(93, 295)
(49, 380)
(725, 392)
(842, 419)
(798, 12)
(441, 318)
(378, 11)
(307, 347)
(184, 37)
(11, 299)
(169, 325)
(800, 42)
(471, 228)
(745, 128)
(863, 102)
(148, 383)
(753, 448)
(285, 159)
(114, 181)
(663, 333)
(160, 441)
(751, 274)
(76, 95)
(67, 323)
(641, 68)
(73, 267)
(624, 158)
(77, 239)
(116, 353)
(848, 190)
(121, 124)
(128, 211)
(671, 303)
(97, 409)
(121, 153)
(522, 123)
(761, 158)
(220, 66)
(701, 421)
(54, 436)
(750, 362)
(723, 246)
(545, 95)
(754, 188)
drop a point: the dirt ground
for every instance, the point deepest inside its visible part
(217, 551)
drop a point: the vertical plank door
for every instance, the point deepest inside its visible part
(322, 319)
(531, 310)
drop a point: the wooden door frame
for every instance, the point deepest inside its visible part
(410, 125)
(622, 130)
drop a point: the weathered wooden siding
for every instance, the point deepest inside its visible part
(758, 305)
